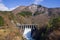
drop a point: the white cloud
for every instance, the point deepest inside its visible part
(13, 8)
(3, 7)
(37, 1)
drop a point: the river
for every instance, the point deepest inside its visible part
(27, 34)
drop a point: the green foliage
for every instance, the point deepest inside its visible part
(4, 12)
(55, 22)
(25, 13)
(11, 16)
(1, 21)
(44, 32)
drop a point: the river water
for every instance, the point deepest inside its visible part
(27, 34)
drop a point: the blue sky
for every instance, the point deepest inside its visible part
(15, 3)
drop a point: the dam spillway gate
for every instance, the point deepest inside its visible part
(29, 26)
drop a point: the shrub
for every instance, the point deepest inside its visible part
(25, 13)
(1, 21)
(44, 33)
(55, 22)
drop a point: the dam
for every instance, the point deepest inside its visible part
(27, 30)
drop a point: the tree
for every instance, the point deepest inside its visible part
(55, 22)
(1, 21)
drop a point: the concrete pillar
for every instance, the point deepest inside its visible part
(24, 26)
(21, 27)
(28, 26)
(32, 26)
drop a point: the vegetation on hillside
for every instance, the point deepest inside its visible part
(9, 31)
(55, 22)
(37, 13)
(50, 32)
(5, 12)
(11, 16)
(1, 21)
(25, 13)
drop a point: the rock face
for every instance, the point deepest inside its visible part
(40, 14)
(37, 9)
(54, 12)
(32, 8)
(19, 9)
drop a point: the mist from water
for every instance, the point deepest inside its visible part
(27, 34)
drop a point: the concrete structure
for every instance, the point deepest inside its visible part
(27, 30)
(23, 26)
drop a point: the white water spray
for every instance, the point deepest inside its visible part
(27, 34)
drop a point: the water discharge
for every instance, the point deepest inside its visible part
(27, 34)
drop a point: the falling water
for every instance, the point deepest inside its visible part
(27, 34)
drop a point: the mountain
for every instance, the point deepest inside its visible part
(40, 14)
(36, 8)
(23, 14)
(32, 14)
(32, 8)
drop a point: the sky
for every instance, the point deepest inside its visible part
(12, 4)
